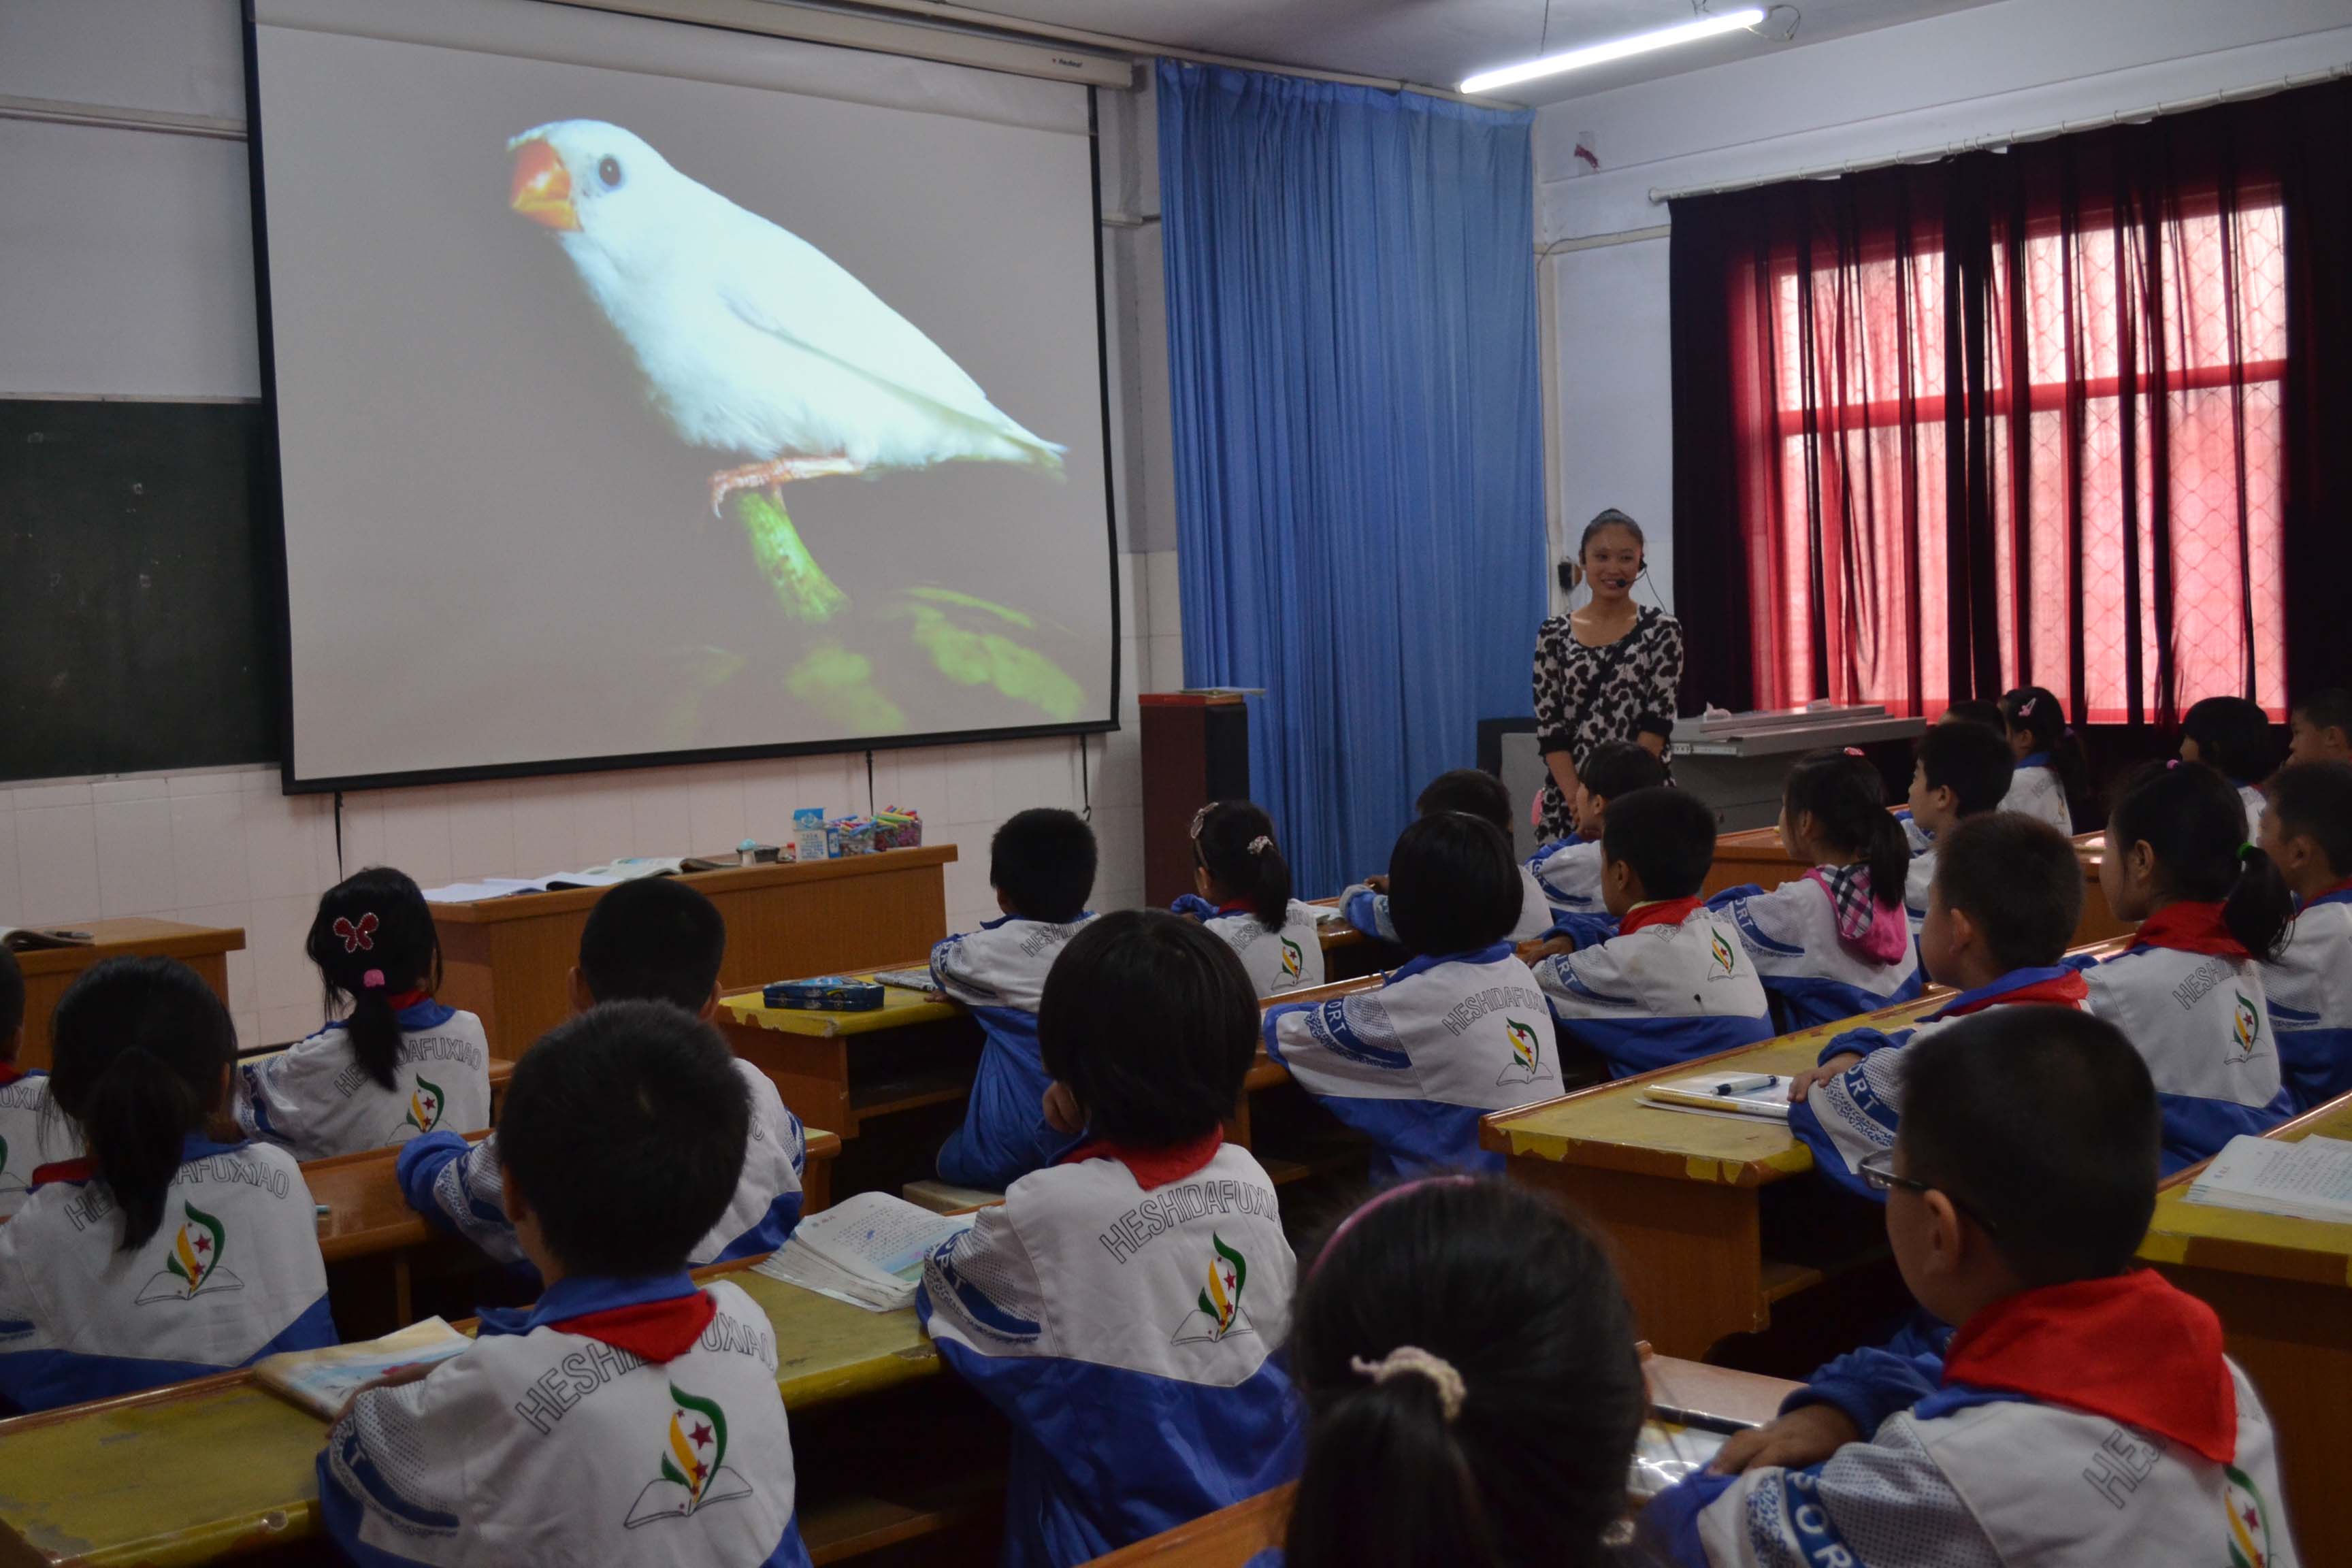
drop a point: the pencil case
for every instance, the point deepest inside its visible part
(825, 994)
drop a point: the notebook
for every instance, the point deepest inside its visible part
(1760, 1095)
(867, 1251)
(906, 979)
(2309, 1180)
(319, 1381)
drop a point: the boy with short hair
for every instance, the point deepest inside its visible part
(1042, 864)
(23, 1095)
(2307, 830)
(1122, 1307)
(2082, 1413)
(1674, 984)
(1569, 872)
(1958, 771)
(629, 1418)
(2007, 893)
(1476, 792)
(653, 940)
(2319, 728)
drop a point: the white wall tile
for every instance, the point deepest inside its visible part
(32, 797)
(210, 781)
(481, 831)
(57, 863)
(208, 849)
(1167, 664)
(136, 872)
(415, 839)
(546, 834)
(715, 812)
(283, 974)
(290, 843)
(661, 817)
(971, 787)
(1119, 769)
(1118, 849)
(362, 842)
(1164, 611)
(603, 824)
(284, 1026)
(108, 791)
(239, 965)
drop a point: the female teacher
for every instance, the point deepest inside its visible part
(1607, 672)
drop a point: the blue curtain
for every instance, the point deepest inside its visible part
(1359, 454)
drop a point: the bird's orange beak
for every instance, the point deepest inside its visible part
(543, 186)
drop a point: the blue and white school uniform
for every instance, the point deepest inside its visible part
(1918, 880)
(2080, 1426)
(2192, 1002)
(1914, 838)
(999, 971)
(1369, 911)
(315, 1099)
(1846, 1120)
(460, 1186)
(1122, 1311)
(1288, 957)
(23, 1096)
(2256, 803)
(624, 1423)
(1814, 972)
(2035, 789)
(233, 1274)
(1416, 1063)
(1568, 875)
(2310, 993)
(1672, 987)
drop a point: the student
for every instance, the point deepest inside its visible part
(1569, 872)
(2190, 993)
(1473, 1392)
(1834, 942)
(399, 1064)
(159, 1255)
(1958, 771)
(1478, 794)
(1459, 1031)
(2307, 833)
(2051, 775)
(1122, 1308)
(630, 1418)
(1042, 864)
(2232, 737)
(1976, 710)
(653, 940)
(2083, 1415)
(2320, 728)
(1982, 715)
(2007, 894)
(23, 1096)
(1242, 893)
(1672, 985)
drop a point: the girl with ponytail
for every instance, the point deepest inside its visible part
(2188, 995)
(1243, 894)
(2052, 779)
(1473, 1392)
(397, 1064)
(1836, 942)
(159, 1254)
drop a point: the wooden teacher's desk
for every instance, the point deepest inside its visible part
(49, 969)
(506, 959)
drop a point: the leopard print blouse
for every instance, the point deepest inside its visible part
(1573, 716)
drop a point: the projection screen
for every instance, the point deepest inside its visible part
(645, 390)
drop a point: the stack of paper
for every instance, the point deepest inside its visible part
(320, 1380)
(904, 979)
(2309, 1180)
(1750, 1094)
(867, 1251)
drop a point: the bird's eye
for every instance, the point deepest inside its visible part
(609, 170)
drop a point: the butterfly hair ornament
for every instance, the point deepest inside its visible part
(360, 938)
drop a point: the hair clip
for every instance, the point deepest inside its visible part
(1260, 844)
(1853, 751)
(1201, 816)
(1412, 1360)
(357, 938)
(2025, 708)
(2170, 763)
(2067, 730)
(2246, 853)
(372, 981)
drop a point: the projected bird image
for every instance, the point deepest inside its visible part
(755, 345)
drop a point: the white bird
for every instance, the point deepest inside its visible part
(752, 340)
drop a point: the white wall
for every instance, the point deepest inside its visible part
(129, 272)
(2017, 66)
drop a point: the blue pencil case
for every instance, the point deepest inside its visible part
(825, 994)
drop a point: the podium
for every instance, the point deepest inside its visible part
(1195, 750)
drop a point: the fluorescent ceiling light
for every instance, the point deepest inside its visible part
(1614, 49)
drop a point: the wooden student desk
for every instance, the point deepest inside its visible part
(1757, 856)
(49, 969)
(2283, 1290)
(507, 959)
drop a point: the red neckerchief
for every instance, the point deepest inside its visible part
(9, 1073)
(1153, 1167)
(82, 1170)
(1236, 907)
(407, 999)
(2133, 1349)
(2068, 990)
(1657, 913)
(2192, 927)
(650, 1331)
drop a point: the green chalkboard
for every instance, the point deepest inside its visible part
(138, 597)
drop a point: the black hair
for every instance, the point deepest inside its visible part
(2036, 712)
(2311, 800)
(1667, 835)
(623, 1130)
(1607, 517)
(139, 1050)
(2018, 880)
(1976, 710)
(371, 938)
(2233, 736)
(1521, 1303)
(11, 996)
(1152, 1022)
(2194, 822)
(1473, 791)
(2330, 708)
(1972, 762)
(2040, 1123)
(1847, 800)
(1043, 861)
(1620, 767)
(1453, 887)
(653, 940)
(1233, 840)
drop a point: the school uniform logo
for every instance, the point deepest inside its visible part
(192, 1267)
(426, 1103)
(1721, 951)
(1217, 1311)
(2249, 1525)
(1526, 1065)
(694, 1469)
(1294, 960)
(2246, 1026)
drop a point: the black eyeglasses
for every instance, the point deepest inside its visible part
(1879, 1175)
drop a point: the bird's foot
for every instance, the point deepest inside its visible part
(767, 476)
(801, 588)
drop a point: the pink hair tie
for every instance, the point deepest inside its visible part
(372, 981)
(1853, 751)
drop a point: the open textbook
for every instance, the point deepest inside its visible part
(867, 1251)
(20, 939)
(2308, 1179)
(320, 1380)
(1760, 1095)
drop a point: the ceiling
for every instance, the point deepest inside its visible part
(1440, 42)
